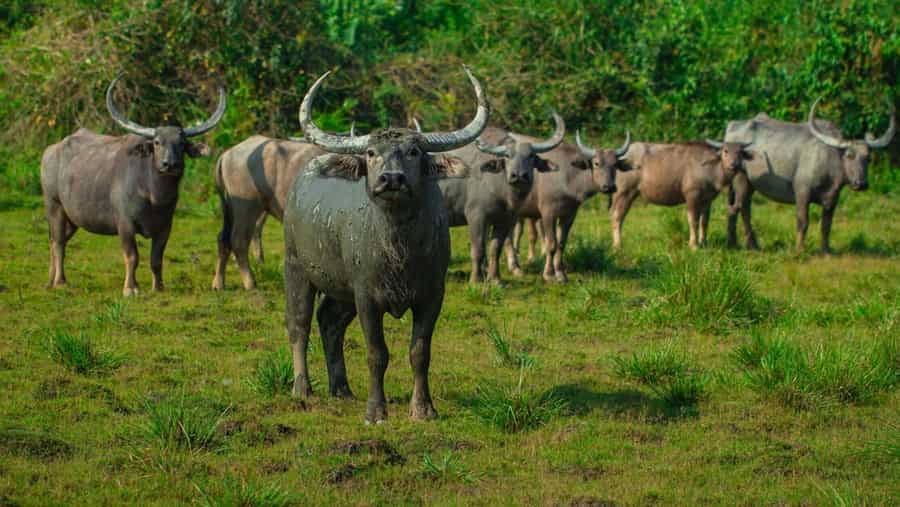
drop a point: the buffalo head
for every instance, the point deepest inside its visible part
(168, 144)
(395, 162)
(519, 158)
(732, 157)
(603, 163)
(854, 153)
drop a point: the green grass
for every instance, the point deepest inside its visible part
(576, 430)
(235, 493)
(77, 353)
(274, 374)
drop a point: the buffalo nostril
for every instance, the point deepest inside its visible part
(382, 179)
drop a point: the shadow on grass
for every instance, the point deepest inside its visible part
(622, 402)
(861, 245)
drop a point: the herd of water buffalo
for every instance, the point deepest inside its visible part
(366, 217)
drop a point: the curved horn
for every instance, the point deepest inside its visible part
(416, 124)
(557, 138)
(328, 142)
(499, 150)
(586, 151)
(349, 133)
(213, 120)
(622, 150)
(446, 141)
(825, 138)
(885, 139)
(119, 118)
(715, 144)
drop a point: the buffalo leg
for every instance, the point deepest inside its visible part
(551, 244)
(424, 319)
(61, 229)
(130, 255)
(157, 248)
(742, 202)
(562, 235)
(477, 233)
(298, 317)
(224, 241)
(694, 210)
(532, 237)
(371, 320)
(732, 210)
(334, 317)
(511, 246)
(242, 234)
(621, 203)
(499, 233)
(257, 238)
(827, 217)
(802, 199)
(704, 223)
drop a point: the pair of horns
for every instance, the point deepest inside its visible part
(502, 150)
(591, 152)
(355, 145)
(150, 133)
(834, 142)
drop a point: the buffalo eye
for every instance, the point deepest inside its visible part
(851, 155)
(414, 152)
(371, 153)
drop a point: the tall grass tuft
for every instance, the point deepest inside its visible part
(516, 409)
(506, 355)
(78, 354)
(666, 372)
(825, 375)
(236, 493)
(447, 467)
(711, 291)
(886, 448)
(274, 374)
(182, 423)
(112, 314)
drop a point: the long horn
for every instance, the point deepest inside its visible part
(416, 124)
(446, 141)
(715, 144)
(120, 118)
(622, 150)
(557, 138)
(350, 133)
(328, 142)
(885, 139)
(499, 150)
(821, 136)
(213, 120)
(586, 151)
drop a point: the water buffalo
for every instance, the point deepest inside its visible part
(799, 163)
(556, 196)
(122, 185)
(502, 171)
(365, 226)
(253, 179)
(672, 174)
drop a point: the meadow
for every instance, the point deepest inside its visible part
(657, 376)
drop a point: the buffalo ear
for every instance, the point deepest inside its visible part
(581, 163)
(545, 166)
(747, 155)
(445, 166)
(195, 150)
(347, 167)
(495, 165)
(143, 149)
(624, 165)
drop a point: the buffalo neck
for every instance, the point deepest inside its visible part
(580, 183)
(162, 188)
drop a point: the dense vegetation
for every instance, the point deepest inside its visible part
(657, 376)
(663, 69)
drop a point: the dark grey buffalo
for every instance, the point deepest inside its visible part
(671, 174)
(799, 163)
(124, 185)
(366, 228)
(502, 172)
(556, 196)
(253, 179)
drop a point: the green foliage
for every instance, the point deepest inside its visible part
(507, 355)
(667, 372)
(447, 467)
(827, 374)
(235, 493)
(517, 409)
(887, 447)
(77, 353)
(182, 423)
(274, 375)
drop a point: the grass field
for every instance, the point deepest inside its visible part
(655, 377)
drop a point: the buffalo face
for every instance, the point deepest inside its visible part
(605, 162)
(170, 145)
(519, 161)
(855, 160)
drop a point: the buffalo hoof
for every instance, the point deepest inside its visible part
(342, 391)
(376, 412)
(475, 280)
(301, 389)
(56, 285)
(548, 278)
(422, 411)
(218, 284)
(130, 291)
(561, 277)
(517, 272)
